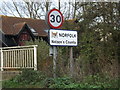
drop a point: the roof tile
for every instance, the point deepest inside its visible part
(13, 25)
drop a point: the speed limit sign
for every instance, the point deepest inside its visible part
(54, 18)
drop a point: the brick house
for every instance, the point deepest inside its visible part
(15, 31)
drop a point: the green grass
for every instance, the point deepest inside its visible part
(11, 84)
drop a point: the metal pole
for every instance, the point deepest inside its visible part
(71, 62)
(54, 60)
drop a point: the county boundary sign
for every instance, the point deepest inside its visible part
(59, 37)
(54, 18)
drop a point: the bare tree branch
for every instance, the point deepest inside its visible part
(31, 9)
(8, 8)
(15, 5)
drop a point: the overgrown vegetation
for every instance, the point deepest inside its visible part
(28, 78)
(36, 79)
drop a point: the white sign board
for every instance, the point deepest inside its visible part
(63, 37)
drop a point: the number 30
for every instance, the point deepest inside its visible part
(55, 19)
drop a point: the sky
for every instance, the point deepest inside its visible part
(64, 0)
(54, 2)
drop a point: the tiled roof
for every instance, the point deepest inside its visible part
(18, 27)
(13, 25)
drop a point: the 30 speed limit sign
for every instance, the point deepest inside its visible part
(54, 18)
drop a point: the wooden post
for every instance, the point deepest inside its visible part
(54, 60)
(1, 59)
(71, 62)
(35, 57)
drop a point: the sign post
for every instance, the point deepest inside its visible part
(57, 37)
(54, 19)
(71, 62)
(54, 61)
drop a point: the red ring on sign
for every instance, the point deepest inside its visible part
(49, 19)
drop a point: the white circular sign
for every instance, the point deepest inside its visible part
(55, 18)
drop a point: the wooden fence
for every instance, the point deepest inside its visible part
(18, 57)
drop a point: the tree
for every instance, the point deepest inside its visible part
(36, 10)
(98, 35)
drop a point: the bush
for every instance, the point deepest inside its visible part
(92, 81)
(99, 81)
(57, 82)
(28, 77)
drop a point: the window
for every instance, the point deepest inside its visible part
(24, 37)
